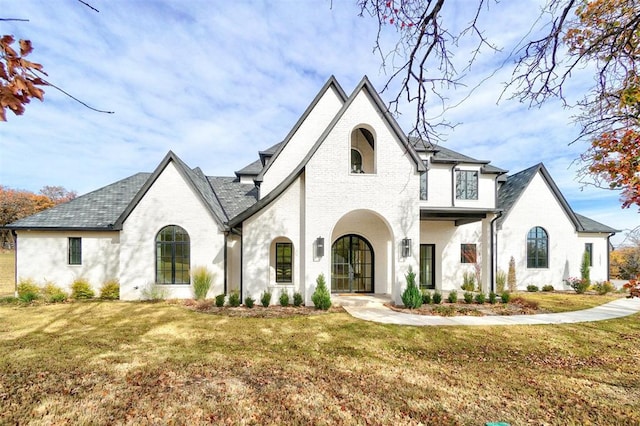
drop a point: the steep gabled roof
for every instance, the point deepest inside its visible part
(97, 210)
(441, 154)
(235, 197)
(515, 185)
(364, 85)
(332, 83)
(194, 178)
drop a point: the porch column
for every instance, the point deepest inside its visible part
(485, 257)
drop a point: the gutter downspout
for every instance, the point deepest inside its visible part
(494, 251)
(241, 265)
(608, 255)
(226, 273)
(15, 262)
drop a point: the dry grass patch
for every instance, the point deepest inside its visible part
(142, 363)
(7, 274)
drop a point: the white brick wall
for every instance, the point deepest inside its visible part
(43, 256)
(170, 201)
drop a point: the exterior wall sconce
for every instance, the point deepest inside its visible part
(319, 247)
(406, 247)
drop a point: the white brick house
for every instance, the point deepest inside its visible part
(345, 194)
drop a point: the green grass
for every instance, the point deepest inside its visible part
(7, 276)
(142, 363)
(569, 301)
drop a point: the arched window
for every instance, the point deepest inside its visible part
(537, 248)
(172, 256)
(363, 159)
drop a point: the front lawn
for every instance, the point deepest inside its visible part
(157, 363)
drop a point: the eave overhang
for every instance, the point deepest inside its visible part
(458, 215)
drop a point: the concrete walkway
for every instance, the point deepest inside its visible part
(371, 308)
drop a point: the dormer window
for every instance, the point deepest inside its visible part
(362, 151)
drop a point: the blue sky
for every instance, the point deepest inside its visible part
(217, 81)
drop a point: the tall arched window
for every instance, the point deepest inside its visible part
(363, 158)
(172, 256)
(537, 248)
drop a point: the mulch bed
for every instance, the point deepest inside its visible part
(516, 306)
(258, 311)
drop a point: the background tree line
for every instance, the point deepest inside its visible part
(17, 203)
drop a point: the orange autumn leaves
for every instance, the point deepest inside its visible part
(18, 79)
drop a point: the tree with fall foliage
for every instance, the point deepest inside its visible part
(602, 34)
(16, 204)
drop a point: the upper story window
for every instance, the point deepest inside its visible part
(537, 248)
(75, 251)
(423, 183)
(173, 258)
(466, 185)
(362, 152)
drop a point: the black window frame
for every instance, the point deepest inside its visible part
(588, 247)
(171, 250)
(424, 184)
(537, 248)
(74, 253)
(284, 263)
(467, 184)
(468, 253)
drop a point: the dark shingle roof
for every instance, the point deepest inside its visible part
(446, 155)
(234, 196)
(591, 225)
(252, 169)
(516, 184)
(99, 209)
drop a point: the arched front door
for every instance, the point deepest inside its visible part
(351, 265)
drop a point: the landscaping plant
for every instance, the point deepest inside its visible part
(547, 287)
(265, 299)
(202, 279)
(501, 280)
(248, 302)
(110, 290)
(633, 286)
(284, 298)
(411, 297)
(426, 297)
(468, 281)
(480, 298)
(603, 287)
(297, 299)
(437, 297)
(453, 296)
(81, 289)
(511, 276)
(505, 296)
(531, 288)
(28, 290)
(579, 285)
(468, 297)
(585, 269)
(492, 298)
(234, 299)
(321, 297)
(154, 292)
(220, 300)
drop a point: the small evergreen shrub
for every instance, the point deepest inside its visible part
(468, 297)
(321, 297)
(202, 279)
(426, 297)
(603, 287)
(297, 299)
(9, 300)
(81, 289)
(248, 302)
(437, 297)
(531, 288)
(501, 280)
(284, 298)
(468, 281)
(585, 269)
(28, 290)
(453, 296)
(234, 299)
(154, 292)
(265, 299)
(411, 297)
(505, 296)
(220, 300)
(492, 298)
(110, 290)
(445, 311)
(547, 287)
(52, 293)
(480, 298)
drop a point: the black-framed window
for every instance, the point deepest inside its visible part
(466, 185)
(356, 161)
(75, 251)
(537, 248)
(173, 257)
(284, 262)
(468, 253)
(588, 247)
(423, 184)
(427, 266)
